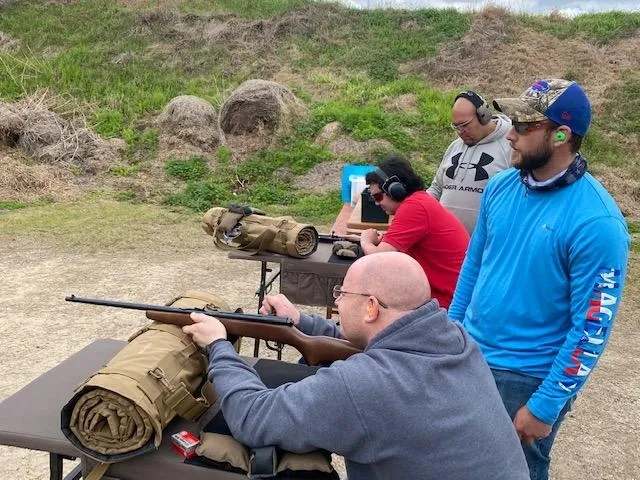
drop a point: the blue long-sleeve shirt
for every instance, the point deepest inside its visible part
(542, 281)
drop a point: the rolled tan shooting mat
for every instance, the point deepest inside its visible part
(253, 232)
(119, 412)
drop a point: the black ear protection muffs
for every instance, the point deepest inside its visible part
(392, 186)
(482, 107)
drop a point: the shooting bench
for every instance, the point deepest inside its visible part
(30, 419)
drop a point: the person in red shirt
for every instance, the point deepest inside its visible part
(421, 227)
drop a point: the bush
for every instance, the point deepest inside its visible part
(192, 169)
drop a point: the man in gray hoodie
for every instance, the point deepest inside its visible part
(418, 402)
(480, 151)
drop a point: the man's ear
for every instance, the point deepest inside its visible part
(372, 310)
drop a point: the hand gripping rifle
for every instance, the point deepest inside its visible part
(314, 349)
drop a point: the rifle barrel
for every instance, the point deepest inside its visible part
(325, 237)
(269, 319)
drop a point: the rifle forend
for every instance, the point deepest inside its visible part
(314, 349)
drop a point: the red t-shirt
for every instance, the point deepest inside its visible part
(434, 237)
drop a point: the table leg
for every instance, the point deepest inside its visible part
(261, 294)
(265, 287)
(56, 468)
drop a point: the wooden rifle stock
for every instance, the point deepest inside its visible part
(314, 349)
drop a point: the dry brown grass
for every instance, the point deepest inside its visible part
(253, 42)
(500, 56)
(33, 126)
(21, 182)
(625, 188)
(7, 42)
(48, 150)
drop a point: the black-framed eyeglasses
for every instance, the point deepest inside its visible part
(337, 292)
(523, 128)
(378, 196)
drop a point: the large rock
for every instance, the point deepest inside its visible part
(190, 119)
(260, 106)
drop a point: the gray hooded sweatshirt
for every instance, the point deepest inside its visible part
(419, 403)
(465, 171)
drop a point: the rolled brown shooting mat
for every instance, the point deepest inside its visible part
(257, 233)
(120, 411)
(109, 423)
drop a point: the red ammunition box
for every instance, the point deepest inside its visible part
(185, 443)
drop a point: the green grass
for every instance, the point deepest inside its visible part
(597, 28)
(360, 108)
(252, 182)
(634, 230)
(99, 224)
(379, 41)
(319, 209)
(11, 205)
(622, 111)
(94, 51)
(201, 195)
(121, 66)
(244, 8)
(124, 170)
(600, 149)
(297, 154)
(193, 169)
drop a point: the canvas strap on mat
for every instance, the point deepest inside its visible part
(255, 232)
(120, 411)
(98, 471)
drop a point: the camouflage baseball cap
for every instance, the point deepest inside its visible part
(561, 101)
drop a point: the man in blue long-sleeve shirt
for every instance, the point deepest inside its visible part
(543, 276)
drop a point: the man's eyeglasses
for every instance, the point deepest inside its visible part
(338, 292)
(378, 196)
(523, 128)
(458, 127)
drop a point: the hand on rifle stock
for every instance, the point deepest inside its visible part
(205, 329)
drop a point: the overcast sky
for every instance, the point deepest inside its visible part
(569, 7)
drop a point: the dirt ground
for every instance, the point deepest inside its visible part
(38, 329)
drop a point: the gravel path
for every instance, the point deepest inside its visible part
(38, 330)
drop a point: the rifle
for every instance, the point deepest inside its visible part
(332, 237)
(314, 349)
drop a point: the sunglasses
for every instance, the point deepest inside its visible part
(338, 292)
(523, 128)
(378, 196)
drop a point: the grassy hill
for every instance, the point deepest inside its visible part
(385, 75)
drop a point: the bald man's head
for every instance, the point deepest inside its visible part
(466, 123)
(393, 277)
(464, 108)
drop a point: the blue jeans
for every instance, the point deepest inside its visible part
(515, 390)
